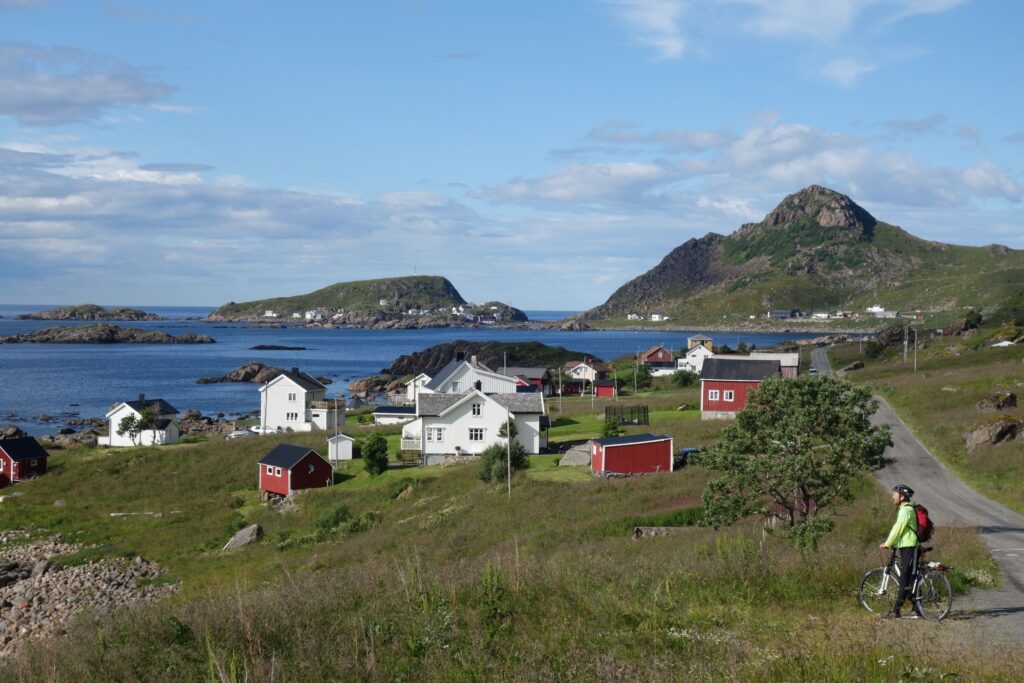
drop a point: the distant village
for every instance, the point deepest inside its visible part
(796, 314)
(471, 313)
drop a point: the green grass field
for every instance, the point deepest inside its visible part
(431, 574)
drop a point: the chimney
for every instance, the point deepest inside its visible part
(142, 398)
(295, 371)
(460, 356)
(478, 385)
(472, 359)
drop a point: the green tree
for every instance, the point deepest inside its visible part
(793, 454)
(611, 428)
(134, 426)
(972, 320)
(375, 454)
(685, 378)
(495, 458)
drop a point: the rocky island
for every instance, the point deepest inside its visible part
(103, 334)
(91, 312)
(254, 372)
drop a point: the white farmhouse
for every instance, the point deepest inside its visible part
(413, 386)
(296, 401)
(693, 361)
(460, 376)
(466, 424)
(165, 427)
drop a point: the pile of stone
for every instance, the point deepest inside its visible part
(38, 596)
(194, 422)
(1000, 400)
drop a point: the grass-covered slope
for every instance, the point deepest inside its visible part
(816, 251)
(431, 574)
(361, 296)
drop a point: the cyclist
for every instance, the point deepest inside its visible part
(903, 537)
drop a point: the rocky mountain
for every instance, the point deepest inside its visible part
(90, 312)
(103, 334)
(817, 250)
(414, 301)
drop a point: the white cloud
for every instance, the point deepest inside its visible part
(990, 180)
(846, 71)
(655, 24)
(48, 87)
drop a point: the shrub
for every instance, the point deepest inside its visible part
(494, 465)
(375, 454)
(684, 378)
(611, 428)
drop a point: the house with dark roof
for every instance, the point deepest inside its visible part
(296, 401)
(163, 429)
(289, 468)
(634, 454)
(393, 415)
(466, 424)
(461, 375)
(700, 340)
(726, 383)
(529, 379)
(657, 357)
(20, 459)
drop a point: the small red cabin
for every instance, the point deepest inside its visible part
(657, 357)
(631, 454)
(726, 384)
(290, 468)
(605, 388)
(21, 459)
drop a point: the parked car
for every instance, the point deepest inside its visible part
(239, 434)
(812, 371)
(259, 429)
(683, 456)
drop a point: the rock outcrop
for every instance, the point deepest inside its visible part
(253, 371)
(1000, 400)
(103, 334)
(9, 431)
(244, 537)
(999, 430)
(91, 312)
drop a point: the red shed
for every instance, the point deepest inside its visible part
(631, 454)
(657, 357)
(20, 459)
(606, 388)
(290, 468)
(726, 383)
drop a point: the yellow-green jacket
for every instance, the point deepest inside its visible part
(904, 531)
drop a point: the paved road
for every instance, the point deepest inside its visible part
(950, 502)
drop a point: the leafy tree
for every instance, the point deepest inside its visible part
(685, 378)
(793, 454)
(742, 348)
(611, 428)
(972, 320)
(134, 426)
(375, 454)
(494, 460)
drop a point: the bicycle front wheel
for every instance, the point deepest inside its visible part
(934, 597)
(878, 590)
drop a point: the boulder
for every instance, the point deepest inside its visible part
(249, 534)
(855, 365)
(997, 431)
(9, 431)
(1000, 400)
(577, 455)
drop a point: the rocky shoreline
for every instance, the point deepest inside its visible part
(403, 323)
(103, 334)
(92, 312)
(39, 596)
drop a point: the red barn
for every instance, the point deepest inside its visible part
(631, 454)
(726, 383)
(657, 357)
(290, 468)
(606, 388)
(21, 459)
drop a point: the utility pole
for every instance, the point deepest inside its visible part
(636, 368)
(906, 340)
(915, 349)
(508, 449)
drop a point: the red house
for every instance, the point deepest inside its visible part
(21, 459)
(726, 383)
(657, 357)
(631, 454)
(290, 468)
(606, 388)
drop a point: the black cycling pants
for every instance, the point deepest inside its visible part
(908, 565)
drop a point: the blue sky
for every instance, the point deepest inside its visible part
(541, 153)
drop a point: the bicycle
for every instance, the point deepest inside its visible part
(930, 591)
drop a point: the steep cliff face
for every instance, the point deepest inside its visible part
(816, 249)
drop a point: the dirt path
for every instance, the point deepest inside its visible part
(950, 502)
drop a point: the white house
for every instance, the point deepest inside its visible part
(466, 424)
(339, 447)
(393, 415)
(296, 401)
(789, 363)
(164, 431)
(413, 386)
(460, 376)
(269, 314)
(693, 361)
(659, 317)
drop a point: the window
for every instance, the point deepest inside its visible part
(291, 416)
(455, 387)
(34, 463)
(476, 434)
(730, 395)
(435, 434)
(291, 397)
(277, 471)
(712, 394)
(1, 465)
(270, 471)
(477, 409)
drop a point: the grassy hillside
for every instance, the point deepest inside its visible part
(362, 296)
(817, 251)
(434, 575)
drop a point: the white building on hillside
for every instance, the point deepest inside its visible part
(164, 430)
(461, 375)
(297, 402)
(693, 361)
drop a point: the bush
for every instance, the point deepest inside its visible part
(684, 378)
(493, 463)
(375, 454)
(611, 428)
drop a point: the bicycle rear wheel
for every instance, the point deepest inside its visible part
(933, 597)
(878, 590)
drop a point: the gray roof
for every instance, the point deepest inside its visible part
(635, 438)
(443, 374)
(307, 382)
(740, 369)
(161, 406)
(432, 405)
(700, 337)
(528, 373)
